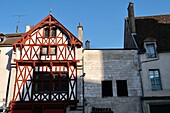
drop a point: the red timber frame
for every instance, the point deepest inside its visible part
(46, 68)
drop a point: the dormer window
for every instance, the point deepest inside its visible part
(151, 50)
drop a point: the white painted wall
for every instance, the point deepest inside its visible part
(5, 61)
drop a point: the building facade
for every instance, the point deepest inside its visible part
(47, 69)
(150, 36)
(42, 69)
(112, 81)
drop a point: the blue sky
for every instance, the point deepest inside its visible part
(103, 20)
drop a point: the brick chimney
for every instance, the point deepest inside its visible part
(131, 17)
(80, 32)
(87, 44)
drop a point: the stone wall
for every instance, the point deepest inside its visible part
(112, 65)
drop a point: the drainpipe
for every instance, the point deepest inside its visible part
(140, 67)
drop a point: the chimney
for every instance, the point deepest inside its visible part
(131, 17)
(28, 27)
(80, 32)
(87, 44)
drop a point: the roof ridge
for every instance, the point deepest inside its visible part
(149, 16)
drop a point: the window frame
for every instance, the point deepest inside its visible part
(155, 87)
(151, 52)
(47, 32)
(49, 50)
(51, 82)
(53, 32)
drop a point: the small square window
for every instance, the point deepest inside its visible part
(44, 50)
(151, 50)
(52, 50)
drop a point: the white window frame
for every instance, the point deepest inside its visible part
(154, 76)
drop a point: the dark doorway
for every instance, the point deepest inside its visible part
(159, 108)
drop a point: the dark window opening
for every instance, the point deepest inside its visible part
(54, 32)
(122, 89)
(107, 88)
(47, 32)
(47, 82)
(159, 108)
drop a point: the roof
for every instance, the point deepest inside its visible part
(157, 27)
(9, 39)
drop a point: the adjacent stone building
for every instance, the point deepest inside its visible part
(112, 81)
(150, 36)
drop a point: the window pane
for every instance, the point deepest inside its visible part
(53, 32)
(37, 76)
(64, 76)
(55, 86)
(44, 50)
(37, 86)
(46, 76)
(56, 76)
(155, 79)
(52, 50)
(46, 86)
(150, 50)
(64, 86)
(47, 32)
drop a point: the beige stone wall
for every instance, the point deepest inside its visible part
(112, 65)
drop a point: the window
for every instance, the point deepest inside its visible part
(44, 50)
(47, 32)
(47, 82)
(122, 89)
(155, 79)
(107, 88)
(48, 50)
(42, 82)
(54, 32)
(150, 50)
(160, 108)
(52, 50)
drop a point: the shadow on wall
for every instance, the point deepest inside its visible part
(103, 69)
(9, 54)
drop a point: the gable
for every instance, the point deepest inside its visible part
(36, 35)
(150, 39)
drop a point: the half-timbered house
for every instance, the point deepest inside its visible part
(44, 69)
